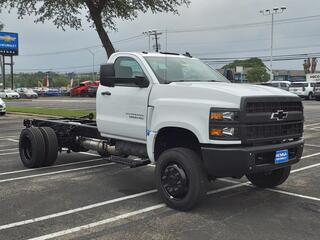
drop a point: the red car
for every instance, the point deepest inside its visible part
(82, 90)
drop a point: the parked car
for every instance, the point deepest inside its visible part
(92, 91)
(278, 84)
(3, 109)
(82, 89)
(303, 89)
(8, 93)
(317, 91)
(27, 93)
(52, 93)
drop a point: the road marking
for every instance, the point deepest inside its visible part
(8, 149)
(313, 124)
(311, 155)
(52, 173)
(312, 145)
(305, 168)
(51, 167)
(293, 194)
(76, 210)
(11, 153)
(119, 217)
(5, 137)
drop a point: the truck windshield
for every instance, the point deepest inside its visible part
(178, 69)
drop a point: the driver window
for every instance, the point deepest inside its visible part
(127, 68)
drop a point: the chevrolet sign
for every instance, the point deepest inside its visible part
(9, 44)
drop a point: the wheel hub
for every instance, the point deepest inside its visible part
(174, 181)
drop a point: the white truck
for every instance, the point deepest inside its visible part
(176, 112)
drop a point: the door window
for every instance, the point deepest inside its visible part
(127, 68)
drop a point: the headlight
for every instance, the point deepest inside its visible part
(224, 124)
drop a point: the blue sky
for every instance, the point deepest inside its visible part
(290, 38)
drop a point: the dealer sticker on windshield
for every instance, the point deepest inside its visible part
(282, 156)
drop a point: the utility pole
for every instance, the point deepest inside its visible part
(93, 63)
(155, 34)
(272, 12)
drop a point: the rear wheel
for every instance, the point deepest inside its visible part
(32, 147)
(51, 145)
(318, 98)
(270, 179)
(180, 178)
(2, 113)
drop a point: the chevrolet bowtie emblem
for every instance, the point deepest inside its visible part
(279, 115)
(7, 38)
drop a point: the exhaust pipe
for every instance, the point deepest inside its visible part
(97, 145)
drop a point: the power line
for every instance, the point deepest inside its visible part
(136, 37)
(258, 50)
(247, 25)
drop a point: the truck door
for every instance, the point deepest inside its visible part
(122, 112)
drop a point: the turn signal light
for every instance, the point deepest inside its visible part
(216, 116)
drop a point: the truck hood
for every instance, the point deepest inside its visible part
(241, 90)
(218, 94)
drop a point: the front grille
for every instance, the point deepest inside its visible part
(259, 107)
(258, 125)
(274, 131)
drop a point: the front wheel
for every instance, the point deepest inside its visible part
(270, 179)
(180, 178)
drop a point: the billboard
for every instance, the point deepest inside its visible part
(9, 43)
(313, 77)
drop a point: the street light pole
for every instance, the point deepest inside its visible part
(93, 62)
(272, 12)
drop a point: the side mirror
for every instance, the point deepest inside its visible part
(107, 75)
(141, 82)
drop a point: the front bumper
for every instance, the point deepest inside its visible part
(238, 161)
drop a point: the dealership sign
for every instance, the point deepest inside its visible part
(313, 77)
(9, 43)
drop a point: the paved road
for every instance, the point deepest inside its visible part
(85, 197)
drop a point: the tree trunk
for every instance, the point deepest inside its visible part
(96, 17)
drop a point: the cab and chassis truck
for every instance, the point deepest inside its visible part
(176, 112)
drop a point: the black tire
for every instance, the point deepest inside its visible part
(2, 113)
(318, 98)
(270, 179)
(310, 96)
(32, 147)
(51, 145)
(189, 183)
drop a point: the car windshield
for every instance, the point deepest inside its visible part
(179, 69)
(299, 85)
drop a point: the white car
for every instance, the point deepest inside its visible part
(27, 93)
(303, 89)
(278, 84)
(8, 93)
(2, 107)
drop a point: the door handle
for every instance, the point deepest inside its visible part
(106, 93)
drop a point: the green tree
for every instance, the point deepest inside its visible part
(252, 62)
(257, 74)
(101, 13)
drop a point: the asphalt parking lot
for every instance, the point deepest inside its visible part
(86, 197)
